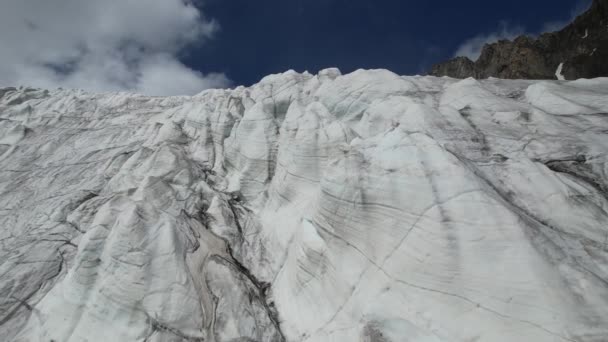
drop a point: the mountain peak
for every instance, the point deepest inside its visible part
(581, 48)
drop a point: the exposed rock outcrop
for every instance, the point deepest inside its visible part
(581, 48)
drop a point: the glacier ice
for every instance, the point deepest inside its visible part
(329, 207)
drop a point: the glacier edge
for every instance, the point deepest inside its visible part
(359, 207)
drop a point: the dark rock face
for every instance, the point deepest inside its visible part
(582, 47)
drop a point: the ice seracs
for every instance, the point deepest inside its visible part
(329, 207)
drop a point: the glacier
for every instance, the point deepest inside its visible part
(360, 207)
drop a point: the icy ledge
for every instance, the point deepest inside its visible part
(364, 207)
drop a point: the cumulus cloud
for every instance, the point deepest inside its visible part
(106, 45)
(472, 47)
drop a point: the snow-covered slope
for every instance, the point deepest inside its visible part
(362, 207)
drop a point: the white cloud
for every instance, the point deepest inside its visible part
(103, 45)
(164, 75)
(472, 47)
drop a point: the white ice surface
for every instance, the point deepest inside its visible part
(360, 207)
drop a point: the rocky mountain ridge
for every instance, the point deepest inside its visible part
(581, 49)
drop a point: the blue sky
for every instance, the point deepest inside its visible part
(261, 37)
(181, 47)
